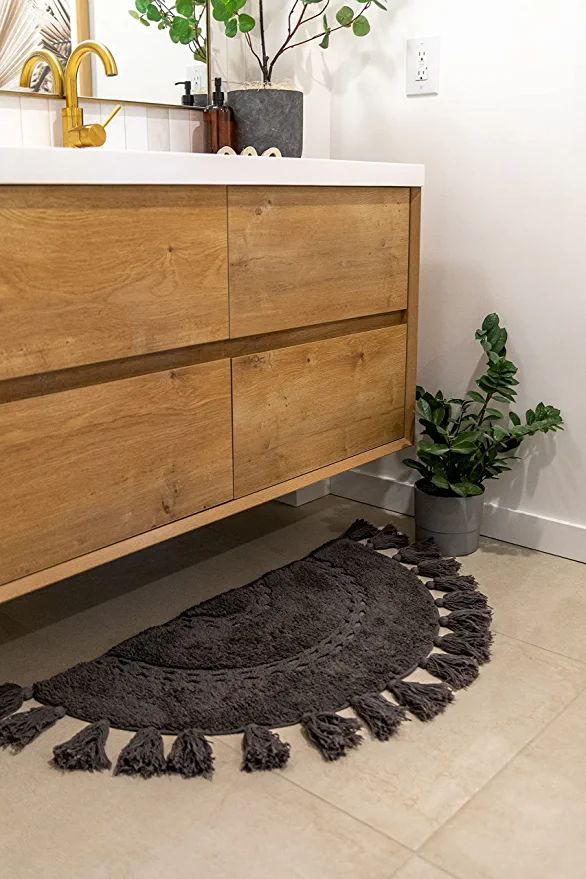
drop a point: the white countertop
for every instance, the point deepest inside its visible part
(54, 165)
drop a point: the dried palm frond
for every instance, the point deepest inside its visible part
(19, 37)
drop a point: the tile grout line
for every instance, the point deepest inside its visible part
(342, 811)
(538, 646)
(495, 776)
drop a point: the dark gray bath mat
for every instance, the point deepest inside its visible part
(331, 631)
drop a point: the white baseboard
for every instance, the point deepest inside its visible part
(307, 494)
(564, 539)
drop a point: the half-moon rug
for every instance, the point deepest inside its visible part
(331, 631)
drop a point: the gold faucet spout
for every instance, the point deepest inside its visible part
(87, 47)
(49, 58)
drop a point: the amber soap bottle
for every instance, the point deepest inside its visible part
(219, 124)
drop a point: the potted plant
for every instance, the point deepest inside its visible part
(267, 113)
(466, 442)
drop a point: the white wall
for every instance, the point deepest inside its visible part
(504, 221)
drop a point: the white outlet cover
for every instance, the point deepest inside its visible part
(423, 66)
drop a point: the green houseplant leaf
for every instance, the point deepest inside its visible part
(467, 441)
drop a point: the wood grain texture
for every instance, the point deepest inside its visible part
(27, 386)
(82, 469)
(94, 273)
(71, 568)
(300, 408)
(412, 314)
(305, 255)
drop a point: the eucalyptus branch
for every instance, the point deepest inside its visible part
(332, 30)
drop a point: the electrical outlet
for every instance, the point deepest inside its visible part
(423, 66)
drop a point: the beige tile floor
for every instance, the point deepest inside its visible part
(495, 788)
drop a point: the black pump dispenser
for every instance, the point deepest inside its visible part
(187, 99)
(218, 97)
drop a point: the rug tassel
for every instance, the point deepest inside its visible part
(389, 537)
(143, 755)
(191, 755)
(11, 698)
(85, 750)
(457, 671)
(466, 600)
(455, 583)
(382, 717)
(332, 734)
(360, 530)
(438, 567)
(467, 622)
(425, 701)
(263, 749)
(475, 645)
(419, 552)
(20, 730)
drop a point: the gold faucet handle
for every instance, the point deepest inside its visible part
(91, 135)
(114, 112)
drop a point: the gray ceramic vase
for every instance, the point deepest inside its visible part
(453, 522)
(268, 118)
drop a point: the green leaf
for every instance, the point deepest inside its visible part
(428, 447)
(184, 7)
(360, 26)
(231, 27)
(134, 14)
(474, 395)
(380, 5)
(141, 5)
(466, 489)
(246, 22)
(153, 13)
(324, 44)
(180, 30)
(514, 418)
(344, 16)
(440, 481)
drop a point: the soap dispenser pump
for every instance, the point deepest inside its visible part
(219, 124)
(187, 99)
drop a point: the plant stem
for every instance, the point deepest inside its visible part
(331, 31)
(261, 21)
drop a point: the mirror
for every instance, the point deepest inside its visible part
(155, 43)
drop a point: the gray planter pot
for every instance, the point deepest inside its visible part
(268, 118)
(453, 522)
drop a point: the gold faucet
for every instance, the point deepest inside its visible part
(49, 58)
(75, 133)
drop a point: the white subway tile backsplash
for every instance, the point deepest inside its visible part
(196, 132)
(158, 133)
(35, 121)
(135, 123)
(10, 121)
(116, 131)
(32, 121)
(180, 131)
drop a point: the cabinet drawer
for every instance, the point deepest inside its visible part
(309, 255)
(300, 408)
(94, 273)
(84, 468)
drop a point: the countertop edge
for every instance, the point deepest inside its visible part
(56, 166)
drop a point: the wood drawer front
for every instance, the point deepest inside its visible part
(88, 467)
(93, 273)
(308, 255)
(303, 407)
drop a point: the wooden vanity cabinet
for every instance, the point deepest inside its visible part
(171, 355)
